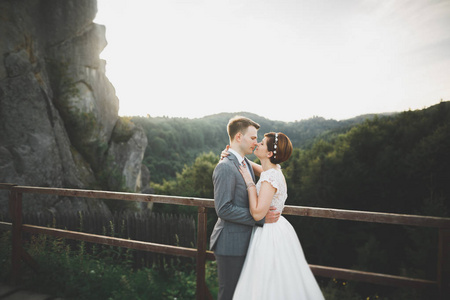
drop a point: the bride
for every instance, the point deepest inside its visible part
(275, 266)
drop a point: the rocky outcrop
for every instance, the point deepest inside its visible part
(124, 156)
(59, 123)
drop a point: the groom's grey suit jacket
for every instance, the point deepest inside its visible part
(232, 232)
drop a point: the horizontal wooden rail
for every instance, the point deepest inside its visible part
(370, 277)
(5, 226)
(367, 216)
(6, 186)
(209, 203)
(113, 241)
(328, 213)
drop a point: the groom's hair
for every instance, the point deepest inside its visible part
(239, 124)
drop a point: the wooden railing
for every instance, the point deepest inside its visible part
(441, 284)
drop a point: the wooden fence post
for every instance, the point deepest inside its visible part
(201, 253)
(16, 215)
(443, 276)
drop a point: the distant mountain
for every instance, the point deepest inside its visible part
(175, 142)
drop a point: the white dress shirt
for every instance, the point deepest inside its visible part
(239, 157)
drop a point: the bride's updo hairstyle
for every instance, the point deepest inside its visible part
(280, 145)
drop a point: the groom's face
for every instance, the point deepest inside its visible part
(249, 140)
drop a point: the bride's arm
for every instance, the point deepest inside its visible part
(259, 204)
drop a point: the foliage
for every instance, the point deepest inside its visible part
(175, 142)
(339, 289)
(193, 181)
(105, 274)
(391, 164)
(172, 143)
(5, 254)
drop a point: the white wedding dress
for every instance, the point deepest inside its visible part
(275, 266)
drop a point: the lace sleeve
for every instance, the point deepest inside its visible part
(270, 177)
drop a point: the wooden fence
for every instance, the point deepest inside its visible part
(161, 228)
(441, 284)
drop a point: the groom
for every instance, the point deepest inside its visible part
(231, 235)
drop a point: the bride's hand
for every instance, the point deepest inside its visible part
(246, 174)
(224, 152)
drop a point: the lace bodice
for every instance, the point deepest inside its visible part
(276, 178)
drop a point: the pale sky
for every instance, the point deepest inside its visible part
(282, 59)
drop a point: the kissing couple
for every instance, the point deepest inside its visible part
(257, 250)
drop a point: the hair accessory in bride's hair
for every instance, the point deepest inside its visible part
(275, 146)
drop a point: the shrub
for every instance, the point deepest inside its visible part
(106, 273)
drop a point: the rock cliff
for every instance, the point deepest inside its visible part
(59, 123)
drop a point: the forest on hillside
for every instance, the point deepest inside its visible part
(392, 163)
(176, 142)
(397, 164)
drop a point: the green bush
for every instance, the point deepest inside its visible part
(5, 255)
(70, 272)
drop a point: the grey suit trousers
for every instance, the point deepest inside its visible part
(229, 269)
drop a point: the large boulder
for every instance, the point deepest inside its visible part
(124, 156)
(58, 110)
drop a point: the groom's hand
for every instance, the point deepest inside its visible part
(272, 215)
